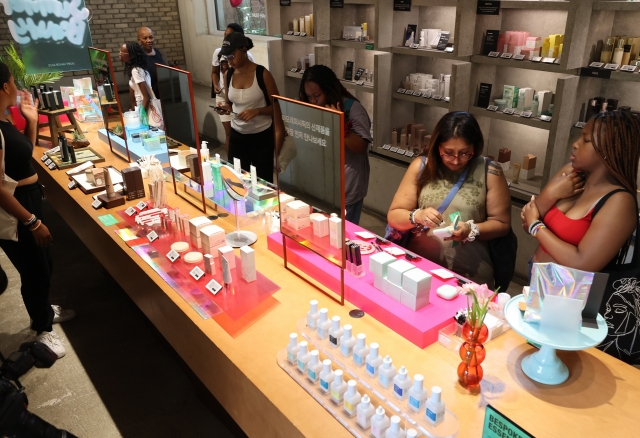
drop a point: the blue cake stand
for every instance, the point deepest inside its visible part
(544, 366)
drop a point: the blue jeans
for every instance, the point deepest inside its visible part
(353, 212)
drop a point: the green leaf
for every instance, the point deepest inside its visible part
(23, 80)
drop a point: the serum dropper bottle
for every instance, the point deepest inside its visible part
(293, 348)
(365, 412)
(379, 423)
(374, 360)
(395, 431)
(386, 371)
(401, 382)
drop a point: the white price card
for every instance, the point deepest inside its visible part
(52, 165)
(401, 151)
(213, 287)
(493, 54)
(386, 147)
(408, 92)
(303, 34)
(294, 69)
(48, 161)
(414, 46)
(130, 211)
(408, 154)
(417, 93)
(596, 64)
(173, 255)
(426, 95)
(629, 68)
(96, 204)
(448, 49)
(580, 124)
(290, 32)
(72, 185)
(197, 273)
(492, 108)
(447, 99)
(152, 236)
(518, 57)
(401, 90)
(360, 83)
(545, 118)
(393, 149)
(44, 158)
(526, 114)
(509, 111)
(506, 55)
(141, 205)
(536, 59)
(296, 34)
(548, 60)
(437, 97)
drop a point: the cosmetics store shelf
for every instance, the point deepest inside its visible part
(293, 75)
(358, 45)
(359, 2)
(524, 188)
(451, 3)
(307, 39)
(391, 156)
(301, 1)
(534, 122)
(616, 6)
(541, 5)
(612, 75)
(528, 65)
(432, 53)
(422, 100)
(351, 85)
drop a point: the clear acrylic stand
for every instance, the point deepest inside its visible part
(239, 238)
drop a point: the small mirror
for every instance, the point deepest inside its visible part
(233, 183)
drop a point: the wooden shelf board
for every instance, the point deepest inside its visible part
(307, 39)
(422, 100)
(427, 3)
(432, 53)
(527, 65)
(535, 123)
(293, 75)
(391, 156)
(359, 2)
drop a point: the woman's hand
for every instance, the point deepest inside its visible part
(249, 114)
(566, 185)
(42, 236)
(29, 110)
(461, 233)
(529, 214)
(429, 217)
(223, 108)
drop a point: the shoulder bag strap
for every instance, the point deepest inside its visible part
(347, 108)
(229, 74)
(604, 199)
(453, 191)
(260, 77)
(636, 245)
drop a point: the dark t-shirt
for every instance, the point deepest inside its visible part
(18, 150)
(356, 172)
(151, 68)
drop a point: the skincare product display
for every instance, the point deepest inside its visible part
(516, 43)
(400, 280)
(525, 100)
(355, 33)
(435, 85)
(303, 24)
(597, 105)
(412, 139)
(620, 50)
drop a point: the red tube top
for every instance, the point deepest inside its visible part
(569, 230)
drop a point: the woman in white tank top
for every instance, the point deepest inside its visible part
(251, 108)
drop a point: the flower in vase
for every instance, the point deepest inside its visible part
(478, 300)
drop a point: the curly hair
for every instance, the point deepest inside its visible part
(328, 82)
(137, 58)
(615, 136)
(5, 74)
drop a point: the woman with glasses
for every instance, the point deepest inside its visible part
(482, 201)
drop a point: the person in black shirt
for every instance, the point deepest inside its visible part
(31, 253)
(147, 40)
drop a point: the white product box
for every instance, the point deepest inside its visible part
(544, 99)
(228, 254)
(379, 283)
(335, 232)
(379, 262)
(297, 209)
(412, 302)
(197, 223)
(394, 291)
(195, 240)
(284, 200)
(212, 237)
(298, 224)
(528, 174)
(416, 282)
(505, 166)
(320, 226)
(396, 270)
(248, 261)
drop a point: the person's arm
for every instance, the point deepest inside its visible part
(215, 78)
(132, 98)
(145, 95)
(602, 241)
(30, 113)
(225, 108)
(565, 184)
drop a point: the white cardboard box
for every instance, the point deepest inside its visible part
(297, 209)
(320, 226)
(396, 270)
(379, 262)
(198, 223)
(299, 223)
(227, 252)
(195, 240)
(416, 282)
(248, 261)
(412, 302)
(284, 200)
(394, 291)
(335, 232)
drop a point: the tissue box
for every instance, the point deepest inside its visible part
(248, 261)
(297, 210)
(320, 226)
(227, 252)
(416, 282)
(396, 270)
(528, 166)
(298, 224)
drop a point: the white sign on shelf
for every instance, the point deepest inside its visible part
(611, 67)
(303, 34)
(52, 165)
(509, 111)
(197, 273)
(414, 46)
(130, 211)
(152, 236)
(386, 147)
(296, 33)
(96, 204)
(492, 108)
(408, 92)
(548, 60)
(141, 205)
(360, 83)
(72, 185)
(506, 55)
(393, 149)
(401, 90)
(526, 114)
(417, 93)
(173, 255)
(448, 50)
(596, 64)
(295, 70)
(580, 125)
(545, 118)
(437, 97)
(629, 68)
(518, 57)
(493, 54)
(214, 287)
(426, 95)
(536, 59)
(44, 158)
(401, 151)
(290, 32)
(408, 154)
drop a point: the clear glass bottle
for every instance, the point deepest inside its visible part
(607, 50)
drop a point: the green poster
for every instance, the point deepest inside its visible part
(497, 425)
(53, 35)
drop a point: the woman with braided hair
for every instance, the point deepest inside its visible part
(136, 70)
(320, 86)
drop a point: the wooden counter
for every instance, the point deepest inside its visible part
(599, 399)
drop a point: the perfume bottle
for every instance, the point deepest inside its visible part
(352, 399)
(365, 412)
(607, 50)
(347, 341)
(618, 52)
(338, 387)
(303, 357)
(379, 423)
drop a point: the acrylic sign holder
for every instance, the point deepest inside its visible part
(544, 366)
(366, 385)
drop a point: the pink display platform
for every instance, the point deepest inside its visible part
(419, 327)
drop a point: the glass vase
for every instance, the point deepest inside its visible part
(472, 353)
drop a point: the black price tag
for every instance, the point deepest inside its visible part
(336, 3)
(595, 73)
(442, 43)
(402, 5)
(484, 95)
(488, 7)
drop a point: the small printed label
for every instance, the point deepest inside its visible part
(548, 60)
(48, 161)
(214, 287)
(333, 340)
(448, 49)
(290, 32)
(360, 83)
(376, 431)
(296, 33)
(493, 54)
(312, 375)
(197, 273)
(336, 396)
(357, 359)
(398, 390)
(401, 90)
(44, 158)
(518, 57)
(141, 205)
(580, 125)
(96, 204)
(408, 154)
(303, 34)
(384, 380)
(371, 369)
(536, 59)
(362, 419)
(401, 151)
(322, 333)
(506, 55)
(291, 357)
(526, 114)
(301, 365)
(52, 166)
(348, 407)
(545, 118)
(426, 95)
(386, 147)
(414, 46)
(394, 149)
(408, 91)
(437, 97)
(294, 69)
(173, 255)
(311, 323)
(324, 384)
(152, 236)
(629, 68)
(417, 93)
(431, 415)
(71, 185)
(492, 108)
(130, 211)
(413, 402)
(509, 111)
(596, 64)
(345, 350)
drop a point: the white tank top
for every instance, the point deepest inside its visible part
(246, 98)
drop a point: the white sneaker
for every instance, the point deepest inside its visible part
(51, 340)
(60, 315)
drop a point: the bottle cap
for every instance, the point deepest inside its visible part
(351, 387)
(362, 338)
(303, 347)
(204, 145)
(326, 365)
(293, 339)
(337, 376)
(217, 158)
(418, 381)
(347, 331)
(373, 350)
(412, 433)
(436, 393)
(315, 357)
(334, 215)
(395, 424)
(335, 322)
(386, 362)
(324, 314)
(364, 402)
(314, 306)
(402, 373)
(380, 413)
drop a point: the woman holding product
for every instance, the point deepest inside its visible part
(135, 69)
(482, 201)
(320, 86)
(585, 217)
(249, 103)
(31, 253)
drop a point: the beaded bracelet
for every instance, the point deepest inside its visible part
(412, 217)
(537, 229)
(533, 225)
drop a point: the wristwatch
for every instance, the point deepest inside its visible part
(474, 232)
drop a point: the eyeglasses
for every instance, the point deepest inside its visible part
(231, 57)
(460, 157)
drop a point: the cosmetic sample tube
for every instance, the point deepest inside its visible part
(516, 172)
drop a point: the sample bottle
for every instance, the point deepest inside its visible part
(401, 384)
(204, 151)
(626, 55)
(417, 394)
(217, 177)
(347, 341)
(338, 387)
(335, 333)
(395, 431)
(365, 412)
(386, 371)
(535, 104)
(313, 315)
(607, 50)
(314, 367)
(293, 348)
(352, 399)
(412, 433)
(447, 84)
(374, 360)
(435, 407)
(303, 357)
(618, 52)
(323, 324)
(326, 376)
(521, 98)
(379, 423)
(361, 350)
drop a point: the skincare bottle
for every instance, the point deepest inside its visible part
(361, 350)
(626, 55)
(618, 52)
(374, 360)
(338, 387)
(326, 376)
(303, 357)
(386, 371)
(347, 341)
(293, 348)
(441, 85)
(364, 31)
(336, 332)
(323, 324)
(395, 431)
(401, 384)
(435, 407)
(204, 152)
(534, 106)
(412, 433)
(521, 97)
(607, 51)
(379, 423)
(417, 394)
(314, 367)
(215, 169)
(365, 412)
(313, 315)
(447, 83)
(351, 399)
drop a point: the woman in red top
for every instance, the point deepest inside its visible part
(604, 160)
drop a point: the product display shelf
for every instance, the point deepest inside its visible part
(612, 75)
(393, 155)
(451, 3)
(523, 189)
(359, 2)
(433, 53)
(499, 115)
(351, 85)
(422, 101)
(366, 384)
(525, 64)
(536, 4)
(616, 6)
(351, 44)
(293, 74)
(307, 39)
